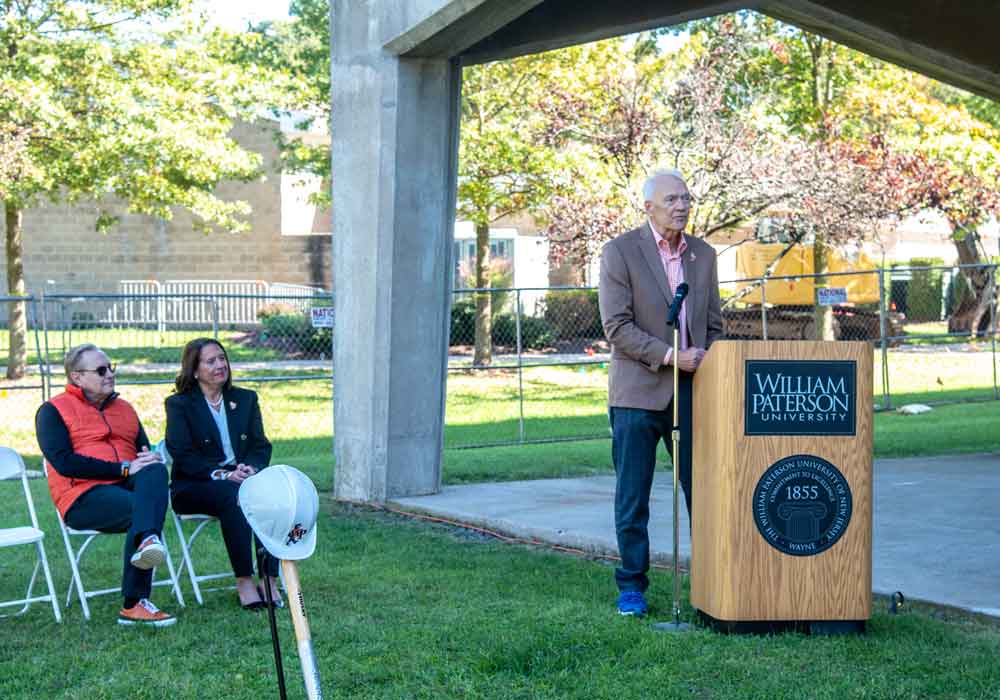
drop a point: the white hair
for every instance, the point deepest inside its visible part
(649, 186)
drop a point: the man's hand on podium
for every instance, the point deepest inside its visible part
(689, 359)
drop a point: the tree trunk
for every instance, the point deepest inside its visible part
(972, 310)
(484, 300)
(17, 359)
(823, 315)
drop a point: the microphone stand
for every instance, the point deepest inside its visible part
(675, 436)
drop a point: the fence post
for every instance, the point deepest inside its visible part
(520, 372)
(993, 333)
(47, 371)
(161, 307)
(763, 304)
(33, 316)
(883, 322)
(215, 318)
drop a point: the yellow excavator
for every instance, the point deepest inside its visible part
(790, 301)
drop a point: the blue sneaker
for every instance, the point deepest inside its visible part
(632, 603)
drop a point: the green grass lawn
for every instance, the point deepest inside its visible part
(139, 346)
(559, 403)
(401, 609)
(933, 333)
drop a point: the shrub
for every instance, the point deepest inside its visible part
(293, 325)
(534, 331)
(275, 308)
(294, 329)
(923, 294)
(463, 322)
(573, 314)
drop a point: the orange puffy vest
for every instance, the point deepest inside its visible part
(107, 434)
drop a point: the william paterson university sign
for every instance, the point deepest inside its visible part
(800, 397)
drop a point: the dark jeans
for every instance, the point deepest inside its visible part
(136, 507)
(635, 433)
(219, 499)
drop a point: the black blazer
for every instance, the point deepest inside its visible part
(193, 439)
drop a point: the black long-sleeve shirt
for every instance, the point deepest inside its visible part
(54, 440)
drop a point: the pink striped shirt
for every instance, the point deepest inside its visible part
(675, 275)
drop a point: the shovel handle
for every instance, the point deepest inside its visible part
(303, 637)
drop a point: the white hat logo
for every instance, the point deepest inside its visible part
(296, 534)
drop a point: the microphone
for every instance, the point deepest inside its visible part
(675, 305)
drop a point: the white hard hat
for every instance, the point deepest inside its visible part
(281, 505)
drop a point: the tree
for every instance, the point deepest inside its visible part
(809, 75)
(967, 202)
(608, 112)
(116, 116)
(504, 168)
(295, 56)
(957, 144)
(690, 112)
(878, 134)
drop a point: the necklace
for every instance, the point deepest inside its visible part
(214, 404)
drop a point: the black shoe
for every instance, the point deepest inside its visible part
(254, 606)
(278, 602)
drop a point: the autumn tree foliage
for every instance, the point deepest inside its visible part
(92, 110)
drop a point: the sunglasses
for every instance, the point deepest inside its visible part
(102, 371)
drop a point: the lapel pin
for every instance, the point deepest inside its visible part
(692, 258)
(232, 404)
(243, 436)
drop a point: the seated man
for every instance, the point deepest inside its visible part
(103, 476)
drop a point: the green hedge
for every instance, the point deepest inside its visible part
(573, 314)
(535, 332)
(923, 294)
(285, 323)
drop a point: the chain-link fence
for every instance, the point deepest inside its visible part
(279, 344)
(542, 374)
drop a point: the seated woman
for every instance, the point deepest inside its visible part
(215, 435)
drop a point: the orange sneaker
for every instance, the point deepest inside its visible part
(145, 613)
(149, 554)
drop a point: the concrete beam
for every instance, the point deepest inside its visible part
(555, 24)
(951, 42)
(394, 150)
(456, 26)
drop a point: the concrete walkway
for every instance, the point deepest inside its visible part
(936, 523)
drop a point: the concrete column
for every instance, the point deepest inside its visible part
(394, 133)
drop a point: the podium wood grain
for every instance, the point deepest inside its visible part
(735, 574)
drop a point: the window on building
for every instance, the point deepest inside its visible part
(501, 252)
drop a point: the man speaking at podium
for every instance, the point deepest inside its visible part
(640, 271)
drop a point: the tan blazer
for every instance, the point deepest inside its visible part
(635, 302)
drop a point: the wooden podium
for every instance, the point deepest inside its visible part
(782, 485)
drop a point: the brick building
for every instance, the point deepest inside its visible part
(288, 240)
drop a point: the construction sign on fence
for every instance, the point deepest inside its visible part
(752, 260)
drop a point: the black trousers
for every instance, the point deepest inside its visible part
(136, 507)
(219, 499)
(635, 434)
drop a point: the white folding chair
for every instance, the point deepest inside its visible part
(75, 555)
(187, 542)
(187, 561)
(12, 465)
